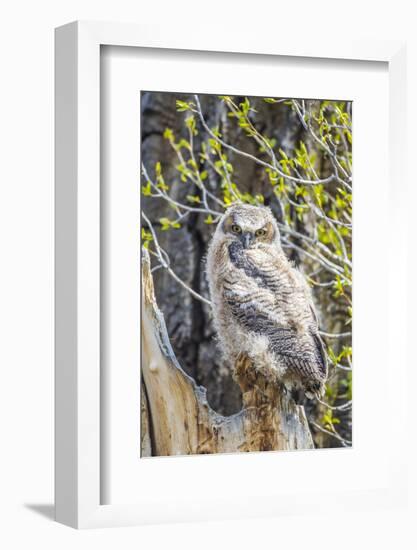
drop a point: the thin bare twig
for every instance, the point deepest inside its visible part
(252, 157)
(344, 442)
(160, 251)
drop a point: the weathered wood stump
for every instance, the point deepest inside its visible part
(176, 418)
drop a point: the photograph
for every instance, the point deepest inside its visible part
(246, 273)
(186, 194)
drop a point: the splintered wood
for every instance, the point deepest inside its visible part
(176, 418)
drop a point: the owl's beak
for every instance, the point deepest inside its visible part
(247, 239)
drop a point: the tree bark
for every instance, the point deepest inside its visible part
(176, 417)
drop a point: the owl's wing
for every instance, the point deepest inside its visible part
(305, 354)
(256, 311)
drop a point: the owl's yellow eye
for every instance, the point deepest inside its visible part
(236, 228)
(260, 233)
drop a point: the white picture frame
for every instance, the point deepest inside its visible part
(77, 500)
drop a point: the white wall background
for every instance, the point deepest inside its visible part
(26, 267)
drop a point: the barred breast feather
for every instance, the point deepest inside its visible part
(266, 296)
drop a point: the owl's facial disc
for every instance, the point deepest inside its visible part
(251, 226)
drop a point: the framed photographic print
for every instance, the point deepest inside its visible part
(233, 250)
(221, 261)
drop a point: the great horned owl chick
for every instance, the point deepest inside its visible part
(262, 305)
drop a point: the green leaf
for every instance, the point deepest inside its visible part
(168, 134)
(195, 199)
(147, 190)
(162, 185)
(146, 237)
(182, 106)
(166, 224)
(191, 124)
(338, 285)
(283, 154)
(245, 106)
(183, 144)
(215, 145)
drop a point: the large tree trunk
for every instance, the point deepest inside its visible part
(176, 417)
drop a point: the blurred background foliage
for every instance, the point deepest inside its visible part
(201, 153)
